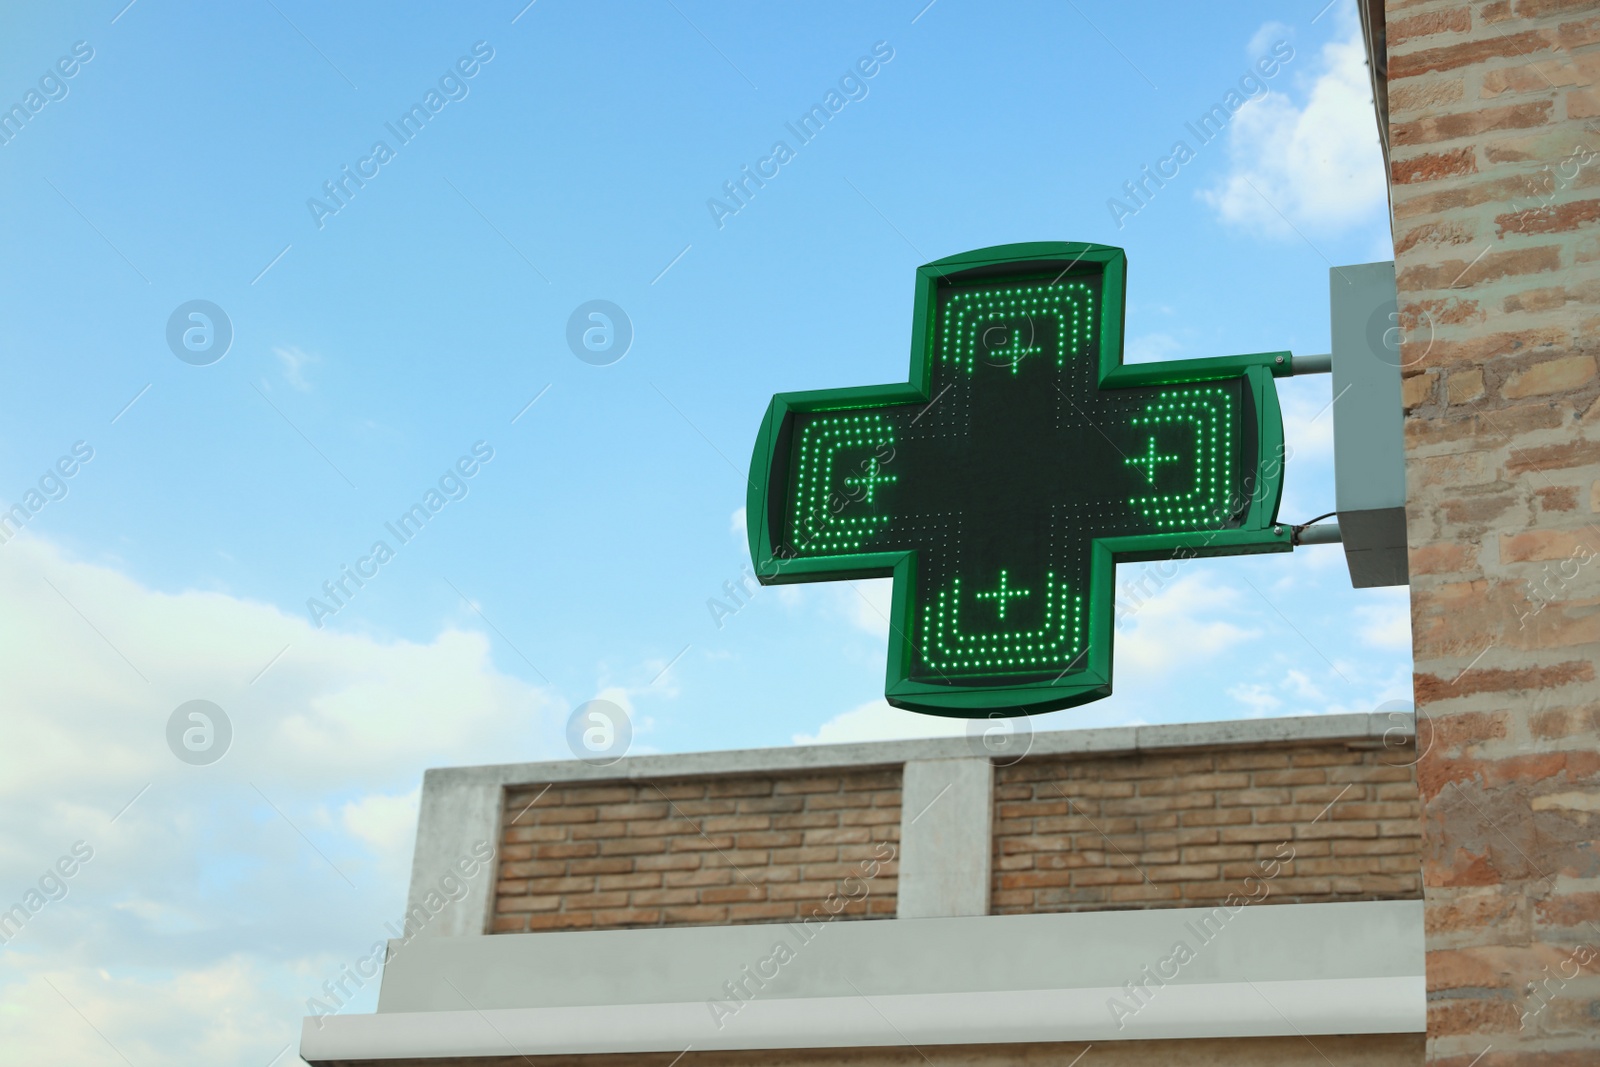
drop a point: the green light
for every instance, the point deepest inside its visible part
(1001, 595)
(872, 479)
(1064, 309)
(823, 528)
(1055, 642)
(1201, 416)
(1149, 460)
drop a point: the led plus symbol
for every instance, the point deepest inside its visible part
(873, 478)
(1150, 459)
(1001, 595)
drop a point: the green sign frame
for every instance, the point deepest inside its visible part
(1252, 527)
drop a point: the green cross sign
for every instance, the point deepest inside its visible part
(1001, 484)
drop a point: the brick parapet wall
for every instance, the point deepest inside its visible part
(1298, 824)
(686, 852)
(1281, 821)
(1495, 184)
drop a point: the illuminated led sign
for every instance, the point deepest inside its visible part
(1004, 481)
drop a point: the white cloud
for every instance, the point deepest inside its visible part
(1347, 688)
(1151, 348)
(1314, 166)
(737, 525)
(868, 603)
(1385, 694)
(877, 721)
(295, 361)
(1268, 35)
(1308, 423)
(620, 696)
(213, 1014)
(386, 824)
(662, 672)
(1179, 623)
(1256, 697)
(1388, 622)
(1303, 686)
(222, 896)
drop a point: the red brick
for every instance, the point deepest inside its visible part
(734, 894)
(715, 876)
(696, 843)
(573, 794)
(676, 862)
(642, 880)
(807, 785)
(739, 787)
(1553, 219)
(1571, 910)
(694, 809)
(1467, 53)
(1557, 498)
(625, 812)
(753, 806)
(1537, 545)
(634, 855)
(1553, 457)
(524, 834)
(805, 821)
(1431, 688)
(1492, 266)
(523, 902)
(748, 913)
(551, 816)
(767, 840)
(1470, 123)
(623, 847)
(560, 921)
(1449, 20)
(723, 823)
(615, 917)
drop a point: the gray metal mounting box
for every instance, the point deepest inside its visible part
(1368, 423)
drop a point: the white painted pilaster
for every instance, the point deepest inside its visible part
(458, 815)
(946, 810)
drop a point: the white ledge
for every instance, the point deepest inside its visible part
(1370, 729)
(1257, 971)
(1247, 1009)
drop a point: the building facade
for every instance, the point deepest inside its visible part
(1494, 160)
(1226, 893)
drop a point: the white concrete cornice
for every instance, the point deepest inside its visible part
(1245, 1009)
(1256, 971)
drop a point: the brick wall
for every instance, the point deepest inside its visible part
(1307, 823)
(692, 852)
(1494, 178)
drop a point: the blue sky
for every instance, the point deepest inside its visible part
(374, 346)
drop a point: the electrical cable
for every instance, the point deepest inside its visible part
(1296, 531)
